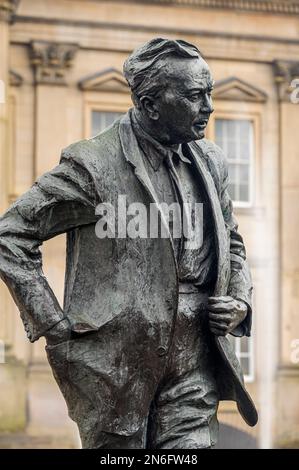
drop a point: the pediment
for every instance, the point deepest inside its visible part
(107, 80)
(234, 89)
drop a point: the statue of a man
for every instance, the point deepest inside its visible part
(139, 350)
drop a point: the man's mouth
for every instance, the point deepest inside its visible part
(201, 124)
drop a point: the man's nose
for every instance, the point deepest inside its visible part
(207, 106)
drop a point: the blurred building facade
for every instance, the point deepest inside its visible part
(61, 66)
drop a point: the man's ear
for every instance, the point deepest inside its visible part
(148, 105)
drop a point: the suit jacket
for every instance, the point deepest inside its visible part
(125, 288)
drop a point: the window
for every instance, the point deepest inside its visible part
(236, 138)
(102, 119)
(244, 351)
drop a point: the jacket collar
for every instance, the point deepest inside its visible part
(152, 149)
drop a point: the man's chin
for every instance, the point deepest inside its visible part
(194, 135)
(199, 134)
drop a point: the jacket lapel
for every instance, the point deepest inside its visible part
(222, 245)
(134, 157)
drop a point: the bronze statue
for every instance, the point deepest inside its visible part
(140, 349)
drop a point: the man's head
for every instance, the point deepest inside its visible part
(171, 88)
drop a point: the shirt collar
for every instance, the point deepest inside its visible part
(153, 150)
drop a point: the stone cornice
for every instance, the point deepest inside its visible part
(290, 7)
(8, 9)
(141, 28)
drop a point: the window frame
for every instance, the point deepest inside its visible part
(106, 102)
(250, 377)
(92, 134)
(254, 158)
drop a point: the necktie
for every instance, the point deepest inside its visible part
(182, 199)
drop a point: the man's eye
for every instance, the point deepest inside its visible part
(194, 97)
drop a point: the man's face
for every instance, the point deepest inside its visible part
(185, 105)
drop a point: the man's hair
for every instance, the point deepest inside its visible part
(143, 66)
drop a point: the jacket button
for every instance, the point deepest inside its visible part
(161, 351)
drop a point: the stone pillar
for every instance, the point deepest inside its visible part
(12, 372)
(286, 75)
(51, 63)
(4, 71)
(7, 10)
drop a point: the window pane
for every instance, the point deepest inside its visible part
(243, 350)
(102, 119)
(245, 344)
(243, 192)
(245, 150)
(231, 149)
(244, 173)
(231, 126)
(232, 171)
(233, 191)
(235, 136)
(244, 129)
(245, 365)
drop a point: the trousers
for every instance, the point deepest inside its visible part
(183, 413)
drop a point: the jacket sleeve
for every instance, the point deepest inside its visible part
(60, 200)
(240, 285)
